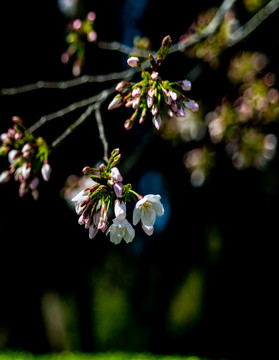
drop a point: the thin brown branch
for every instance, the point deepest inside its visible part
(207, 31)
(242, 32)
(101, 129)
(74, 106)
(72, 127)
(116, 46)
(101, 98)
(68, 83)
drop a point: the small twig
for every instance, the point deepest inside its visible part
(116, 46)
(102, 97)
(242, 32)
(207, 31)
(68, 83)
(74, 106)
(101, 131)
(72, 127)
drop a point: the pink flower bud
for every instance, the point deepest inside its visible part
(133, 62)
(5, 138)
(181, 112)
(154, 109)
(136, 91)
(102, 167)
(168, 98)
(92, 36)
(122, 85)
(149, 100)
(136, 103)
(17, 120)
(170, 112)
(151, 91)
(128, 124)
(115, 174)
(173, 94)
(46, 171)
(191, 104)
(185, 84)
(154, 75)
(77, 24)
(26, 147)
(5, 176)
(118, 187)
(91, 16)
(65, 57)
(12, 155)
(34, 183)
(174, 106)
(116, 102)
(26, 171)
(86, 170)
(157, 121)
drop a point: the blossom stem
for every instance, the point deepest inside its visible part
(136, 194)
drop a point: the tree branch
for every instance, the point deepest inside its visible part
(207, 31)
(70, 108)
(101, 131)
(68, 83)
(116, 46)
(245, 30)
(101, 98)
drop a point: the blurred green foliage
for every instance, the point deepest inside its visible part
(66, 355)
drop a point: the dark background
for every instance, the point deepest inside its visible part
(226, 231)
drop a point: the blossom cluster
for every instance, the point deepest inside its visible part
(240, 125)
(79, 33)
(210, 48)
(94, 204)
(151, 92)
(28, 158)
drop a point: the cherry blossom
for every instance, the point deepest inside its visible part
(121, 229)
(146, 210)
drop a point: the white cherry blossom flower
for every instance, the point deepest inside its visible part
(146, 210)
(121, 229)
(79, 200)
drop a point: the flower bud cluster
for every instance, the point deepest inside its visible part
(93, 204)
(79, 33)
(28, 158)
(152, 92)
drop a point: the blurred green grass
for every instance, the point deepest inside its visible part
(13, 355)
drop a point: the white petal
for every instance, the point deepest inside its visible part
(120, 209)
(81, 196)
(148, 217)
(5, 176)
(148, 229)
(157, 121)
(129, 233)
(156, 203)
(136, 215)
(92, 231)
